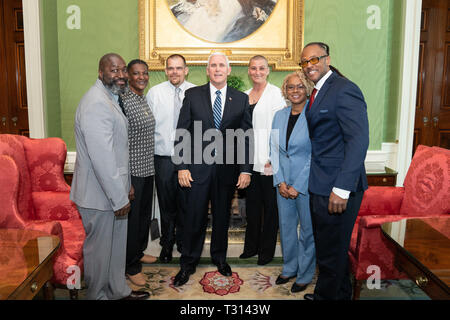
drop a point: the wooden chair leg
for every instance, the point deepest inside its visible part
(357, 284)
(73, 294)
(49, 291)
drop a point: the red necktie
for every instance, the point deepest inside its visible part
(311, 99)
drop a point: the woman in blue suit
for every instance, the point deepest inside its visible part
(291, 159)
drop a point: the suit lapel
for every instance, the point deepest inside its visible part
(111, 100)
(227, 106)
(298, 126)
(283, 131)
(322, 92)
(207, 104)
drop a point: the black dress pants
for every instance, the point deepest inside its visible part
(262, 217)
(171, 202)
(196, 218)
(139, 223)
(332, 234)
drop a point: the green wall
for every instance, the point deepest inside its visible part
(370, 58)
(50, 70)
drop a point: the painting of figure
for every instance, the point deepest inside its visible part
(222, 20)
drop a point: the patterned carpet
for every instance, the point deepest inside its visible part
(248, 282)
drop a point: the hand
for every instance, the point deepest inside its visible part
(131, 194)
(185, 178)
(268, 171)
(283, 189)
(293, 194)
(336, 204)
(243, 181)
(124, 211)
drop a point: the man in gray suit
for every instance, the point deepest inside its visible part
(101, 185)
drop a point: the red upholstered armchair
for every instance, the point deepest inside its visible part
(426, 192)
(34, 195)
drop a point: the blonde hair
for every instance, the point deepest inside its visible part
(309, 85)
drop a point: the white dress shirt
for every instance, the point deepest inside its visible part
(344, 194)
(161, 100)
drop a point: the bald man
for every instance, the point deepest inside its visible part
(101, 186)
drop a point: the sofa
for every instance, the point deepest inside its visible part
(34, 195)
(425, 193)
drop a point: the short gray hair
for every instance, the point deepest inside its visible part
(218, 53)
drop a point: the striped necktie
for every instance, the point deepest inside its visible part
(217, 110)
(311, 99)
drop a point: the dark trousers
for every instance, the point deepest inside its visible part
(332, 234)
(262, 217)
(196, 218)
(170, 200)
(139, 223)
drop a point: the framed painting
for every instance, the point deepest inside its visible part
(239, 28)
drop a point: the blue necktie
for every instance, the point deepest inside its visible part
(217, 110)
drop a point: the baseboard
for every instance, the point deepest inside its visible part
(376, 160)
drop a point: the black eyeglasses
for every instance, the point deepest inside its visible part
(314, 60)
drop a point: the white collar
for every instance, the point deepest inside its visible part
(181, 86)
(320, 83)
(214, 89)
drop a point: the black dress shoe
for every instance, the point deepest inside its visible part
(246, 255)
(298, 287)
(224, 269)
(166, 255)
(281, 280)
(262, 261)
(137, 295)
(182, 277)
(308, 296)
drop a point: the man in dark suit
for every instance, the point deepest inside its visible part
(211, 170)
(339, 133)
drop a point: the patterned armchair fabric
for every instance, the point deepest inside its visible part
(426, 193)
(34, 195)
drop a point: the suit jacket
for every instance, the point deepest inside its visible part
(292, 165)
(101, 178)
(197, 111)
(339, 133)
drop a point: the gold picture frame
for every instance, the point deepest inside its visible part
(279, 39)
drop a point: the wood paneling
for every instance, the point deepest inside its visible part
(13, 95)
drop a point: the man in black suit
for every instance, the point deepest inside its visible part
(339, 133)
(212, 168)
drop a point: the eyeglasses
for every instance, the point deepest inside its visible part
(314, 60)
(292, 88)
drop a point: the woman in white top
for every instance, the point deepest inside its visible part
(261, 207)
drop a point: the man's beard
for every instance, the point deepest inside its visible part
(114, 87)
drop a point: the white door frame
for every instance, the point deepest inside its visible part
(33, 67)
(410, 68)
